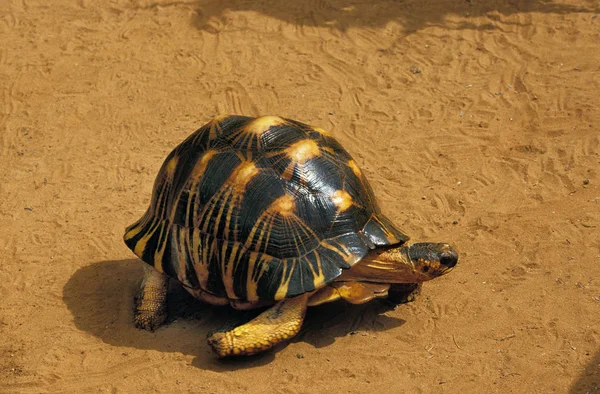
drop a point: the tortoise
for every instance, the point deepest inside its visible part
(270, 212)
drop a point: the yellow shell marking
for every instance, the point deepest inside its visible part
(252, 279)
(284, 205)
(342, 200)
(160, 250)
(215, 128)
(354, 167)
(132, 232)
(262, 124)
(251, 285)
(319, 277)
(339, 249)
(285, 284)
(182, 242)
(388, 234)
(140, 246)
(321, 131)
(328, 149)
(227, 269)
(200, 166)
(243, 174)
(196, 175)
(219, 118)
(170, 168)
(302, 151)
(200, 264)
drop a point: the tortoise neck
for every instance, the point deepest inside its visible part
(385, 265)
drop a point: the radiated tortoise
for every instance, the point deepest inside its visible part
(269, 212)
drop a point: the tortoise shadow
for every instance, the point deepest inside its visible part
(589, 381)
(413, 15)
(100, 297)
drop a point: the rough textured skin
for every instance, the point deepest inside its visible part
(151, 303)
(352, 292)
(273, 326)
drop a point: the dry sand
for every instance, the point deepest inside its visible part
(477, 122)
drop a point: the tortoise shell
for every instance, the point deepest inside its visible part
(259, 209)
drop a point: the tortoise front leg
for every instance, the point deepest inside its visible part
(402, 293)
(151, 302)
(280, 322)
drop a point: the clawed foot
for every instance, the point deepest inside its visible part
(151, 303)
(277, 324)
(148, 317)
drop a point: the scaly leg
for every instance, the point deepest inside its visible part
(280, 322)
(151, 302)
(353, 292)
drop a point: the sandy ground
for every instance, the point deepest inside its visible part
(477, 122)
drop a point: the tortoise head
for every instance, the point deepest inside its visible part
(408, 263)
(430, 260)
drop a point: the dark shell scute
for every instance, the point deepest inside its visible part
(281, 137)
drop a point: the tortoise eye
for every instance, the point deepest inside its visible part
(425, 268)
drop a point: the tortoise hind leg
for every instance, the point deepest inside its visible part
(151, 302)
(275, 325)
